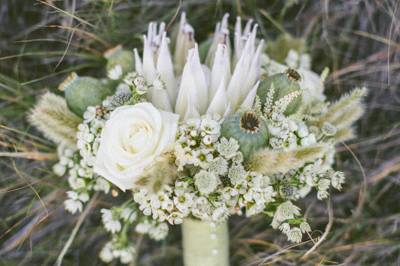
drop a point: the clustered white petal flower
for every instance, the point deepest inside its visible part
(192, 89)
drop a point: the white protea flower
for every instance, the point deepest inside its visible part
(191, 88)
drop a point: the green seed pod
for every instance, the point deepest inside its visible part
(119, 57)
(249, 129)
(82, 92)
(278, 49)
(283, 84)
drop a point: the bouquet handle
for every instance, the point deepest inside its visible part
(204, 243)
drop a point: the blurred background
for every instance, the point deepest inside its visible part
(359, 40)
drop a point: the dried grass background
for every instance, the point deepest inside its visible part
(41, 41)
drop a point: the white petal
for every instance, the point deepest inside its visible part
(149, 70)
(184, 42)
(254, 71)
(187, 90)
(160, 99)
(219, 103)
(138, 62)
(199, 79)
(220, 69)
(238, 38)
(221, 36)
(249, 100)
(191, 112)
(238, 87)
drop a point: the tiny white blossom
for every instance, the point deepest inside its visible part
(305, 227)
(295, 235)
(143, 227)
(59, 169)
(237, 174)
(284, 227)
(159, 232)
(128, 215)
(102, 185)
(73, 206)
(284, 212)
(110, 224)
(115, 72)
(76, 182)
(228, 148)
(127, 254)
(337, 180)
(218, 166)
(206, 182)
(106, 253)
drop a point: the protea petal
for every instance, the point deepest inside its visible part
(219, 103)
(221, 36)
(249, 100)
(184, 42)
(221, 69)
(166, 70)
(138, 62)
(149, 69)
(182, 84)
(160, 99)
(255, 69)
(199, 79)
(187, 91)
(191, 111)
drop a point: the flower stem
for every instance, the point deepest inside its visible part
(205, 243)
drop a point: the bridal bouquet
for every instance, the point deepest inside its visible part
(188, 133)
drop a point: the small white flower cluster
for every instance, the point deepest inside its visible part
(80, 178)
(212, 182)
(118, 221)
(286, 220)
(320, 175)
(289, 133)
(113, 250)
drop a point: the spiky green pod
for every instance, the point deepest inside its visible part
(53, 118)
(119, 57)
(283, 84)
(249, 129)
(82, 92)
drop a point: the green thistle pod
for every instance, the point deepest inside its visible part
(249, 129)
(283, 85)
(81, 92)
(119, 57)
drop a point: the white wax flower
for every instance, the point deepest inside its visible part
(131, 140)
(190, 88)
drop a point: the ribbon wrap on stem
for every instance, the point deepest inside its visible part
(205, 243)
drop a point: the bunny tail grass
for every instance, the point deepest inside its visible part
(344, 134)
(53, 118)
(273, 162)
(346, 110)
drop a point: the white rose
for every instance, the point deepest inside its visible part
(131, 140)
